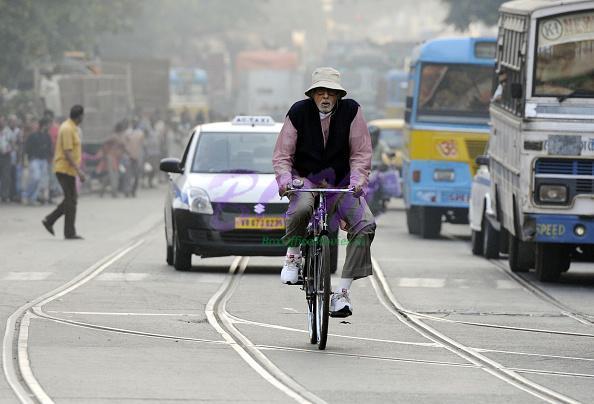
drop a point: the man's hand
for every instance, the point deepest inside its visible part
(82, 176)
(357, 190)
(282, 189)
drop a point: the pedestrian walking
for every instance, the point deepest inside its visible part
(67, 160)
(38, 149)
(134, 142)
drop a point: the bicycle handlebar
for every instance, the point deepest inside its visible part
(323, 190)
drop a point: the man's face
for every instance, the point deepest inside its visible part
(325, 99)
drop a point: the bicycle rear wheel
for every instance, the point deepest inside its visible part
(322, 286)
(310, 293)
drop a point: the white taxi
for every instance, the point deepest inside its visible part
(223, 197)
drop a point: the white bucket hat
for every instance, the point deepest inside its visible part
(326, 77)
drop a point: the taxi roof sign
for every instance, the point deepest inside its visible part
(253, 120)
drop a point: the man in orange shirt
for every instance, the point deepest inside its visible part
(67, 159)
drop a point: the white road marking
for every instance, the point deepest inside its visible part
(421, 283)
(280, 327)
(103, 313)
(26, 276)
(122, 276)
(290, 309)
(507, 284)
(453, 283)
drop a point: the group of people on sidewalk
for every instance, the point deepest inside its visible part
(26, 157)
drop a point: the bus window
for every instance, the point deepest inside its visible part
(565, 56)
(455, 93)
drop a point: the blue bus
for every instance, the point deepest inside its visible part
(450, 86)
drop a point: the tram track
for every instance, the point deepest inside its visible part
(15, 359)
(535, 290)
(412, 320)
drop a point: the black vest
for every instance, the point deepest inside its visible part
(312, 159)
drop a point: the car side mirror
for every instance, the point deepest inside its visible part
(171, 165)
(516, 91)
(482, 160)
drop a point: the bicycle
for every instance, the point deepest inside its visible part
(315, 274)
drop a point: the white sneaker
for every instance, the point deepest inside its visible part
(340, 304)
(290, 272)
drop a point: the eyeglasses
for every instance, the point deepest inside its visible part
(322, 91)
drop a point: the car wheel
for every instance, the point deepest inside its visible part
(182, 259)
(490, 240)
(476, 240)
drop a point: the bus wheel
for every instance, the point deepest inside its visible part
(490, 240)
(430, 220)
(412, 220)
(520, 254)
(551, 260)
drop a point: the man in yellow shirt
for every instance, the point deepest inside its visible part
(67, 159)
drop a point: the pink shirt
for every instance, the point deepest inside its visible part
(359, 141)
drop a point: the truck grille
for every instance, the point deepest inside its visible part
(564, 166)
(576, 174)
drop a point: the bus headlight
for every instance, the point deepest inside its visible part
(552, 193)
(199, 201)
(444, 175)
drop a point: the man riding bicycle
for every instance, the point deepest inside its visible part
(325, 142)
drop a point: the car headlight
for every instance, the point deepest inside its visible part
(199, 201)
(552, 193)
(444, 175)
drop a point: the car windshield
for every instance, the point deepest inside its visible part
(234, 153)
(455, 93)
(392, 137)
(565, 56)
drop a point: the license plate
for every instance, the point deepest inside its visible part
(260, 223)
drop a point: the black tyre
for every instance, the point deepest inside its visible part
(169, 254)
(521, 255)
(490, 240)
(308, 280)
(551, 260)
(412, 220)
(430, 221)
(476, 240)
(322, 282)
(182, 259)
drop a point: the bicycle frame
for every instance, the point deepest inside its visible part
(316, 272)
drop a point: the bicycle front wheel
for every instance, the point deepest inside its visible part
(322, 286)
(310, 293)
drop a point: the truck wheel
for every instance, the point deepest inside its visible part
(430, 220)
(551, 260)
(520, 254)
(182, 259)
(476, 240)
(412, 220)
(490, 240)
